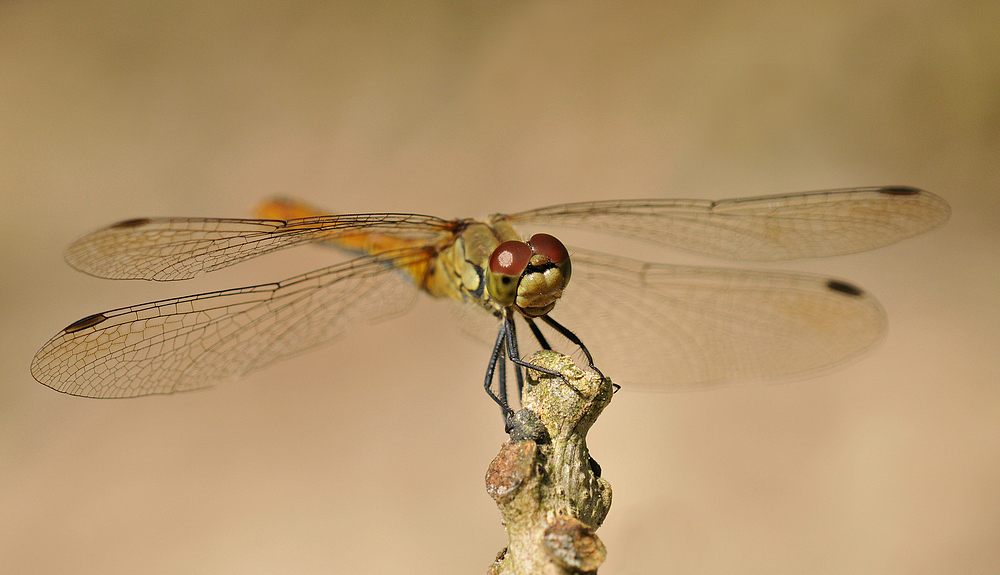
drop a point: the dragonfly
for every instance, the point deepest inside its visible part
(653, 325)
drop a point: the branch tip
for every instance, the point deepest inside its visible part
(546, 485)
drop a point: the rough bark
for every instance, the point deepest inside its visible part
(548, 489)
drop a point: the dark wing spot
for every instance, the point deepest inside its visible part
(89, 321)
(133, 223)
(899, 191)
(844, 287)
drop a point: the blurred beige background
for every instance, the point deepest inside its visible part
(357, 460)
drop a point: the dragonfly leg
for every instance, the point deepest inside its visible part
(508, 328)
(539, 337)
(513, 352)
(572, 337)
(538, 334)
(502, 376)
(496, 356)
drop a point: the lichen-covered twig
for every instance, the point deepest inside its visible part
(548, 489)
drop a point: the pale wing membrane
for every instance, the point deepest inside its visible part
(166, 249)
(663, 327)
(767, 228)
(195, 341)
(474, 321)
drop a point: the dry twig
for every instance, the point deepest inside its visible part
(548, 489)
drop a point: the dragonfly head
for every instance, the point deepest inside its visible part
(530, 276)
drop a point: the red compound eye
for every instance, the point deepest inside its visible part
(507, 263)
(510, 258)
(550, 247)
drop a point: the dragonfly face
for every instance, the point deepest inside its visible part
(530, 276)
(652, 325)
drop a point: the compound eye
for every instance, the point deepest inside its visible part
(550, 247)
(507, 263)
(510, 258)
(553, 249)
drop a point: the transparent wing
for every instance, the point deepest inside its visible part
(811, 224)
(195, 341)
(663, 327)
(165, 249)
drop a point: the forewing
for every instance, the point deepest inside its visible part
(663, 327)
(166, 249)
(195, 341)
(811, 224)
